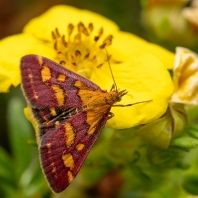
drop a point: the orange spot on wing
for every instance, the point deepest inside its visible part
(40, 60)
(79, 147)
(68, 161)
(30, 76)
(59, 94)
(48, 145)
(53, 170)
(61, 78)
(35, 95)
(70, 176)
(69, 134)
(53, 111)
(45, 73)
(57, 123)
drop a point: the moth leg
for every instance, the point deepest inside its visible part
(110, 115)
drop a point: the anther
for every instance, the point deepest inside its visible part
(77, 53)
(117, 62)
(103, 46)
(93, 58)
(96, 38)
(63, 41)
(80, 27)
(100, 32)
(91, 27)
(86, 56)
(77, 37)
(100, 65)
(62, 62)
(85, 32)
(72, 57)
(70, 29)
(57, 32)
(53, 35)
(108, 40)
(55, 45)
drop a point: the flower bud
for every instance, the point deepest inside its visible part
(185, 78)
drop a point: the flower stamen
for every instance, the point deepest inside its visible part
(81, 51)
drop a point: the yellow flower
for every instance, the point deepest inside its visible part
(78, 40)
(185, 77)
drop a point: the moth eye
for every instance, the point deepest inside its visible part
(119, 98)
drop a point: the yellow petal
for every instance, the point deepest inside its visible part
(127, 45)
(185, 77)
(12, 49)
(145, 78)
(61, 15)
(6, 80)
(28, 115)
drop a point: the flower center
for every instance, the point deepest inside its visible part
(81, 51)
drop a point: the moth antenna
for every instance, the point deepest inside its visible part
(108, 57)
(128, 105)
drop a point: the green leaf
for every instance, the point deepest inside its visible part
(32, 180)
(193, 131)
(7, 180)
(193, 113)
(20, 132)
(7, 191)
(168, 158)
(123, 146)
(158, 133)
(190, 184)
(6, 166)
(185, 142)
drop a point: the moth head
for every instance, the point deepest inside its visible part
(121, 94)
(117, 95)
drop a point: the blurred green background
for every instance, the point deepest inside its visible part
(20, 174)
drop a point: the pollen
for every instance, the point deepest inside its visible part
(81, 48)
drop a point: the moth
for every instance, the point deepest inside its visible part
(70, 112)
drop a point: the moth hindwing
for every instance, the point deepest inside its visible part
(70, 112)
